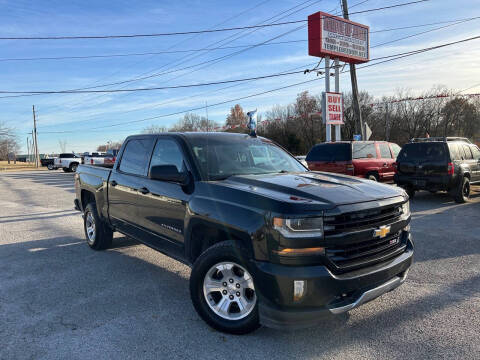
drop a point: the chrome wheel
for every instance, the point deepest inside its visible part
(229, 291)
(74, 168)
(90, 228)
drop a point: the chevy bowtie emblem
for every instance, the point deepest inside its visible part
(382, 231)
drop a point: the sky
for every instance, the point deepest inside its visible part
(71, 117)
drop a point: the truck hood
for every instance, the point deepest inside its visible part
(318, 187)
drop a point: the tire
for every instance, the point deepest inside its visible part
(225, 261)
(410, 192)
(73, 167)
(98, 234)
(463, 192)
(50, 167)
(372, 176)
(66, 169)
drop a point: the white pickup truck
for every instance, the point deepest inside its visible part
(107, 158)
(68, 162)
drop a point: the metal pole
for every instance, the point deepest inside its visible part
(328, 136)
(37, 155)
(338, 134)
(353, 78)
(28, 151)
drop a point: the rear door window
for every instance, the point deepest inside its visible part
(330, 152)
(364, 151)
(467, 152)
(384, 151)
(476, 152)
(136, 156)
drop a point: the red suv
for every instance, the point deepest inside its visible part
(373, 160)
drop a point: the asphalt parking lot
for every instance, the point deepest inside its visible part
(59, 299)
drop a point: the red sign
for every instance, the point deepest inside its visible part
(333, 108)
(336, 37)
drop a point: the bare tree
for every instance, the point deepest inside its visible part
(110, 145)
(155, 129)
(63, 145)
(193, 122)
(8, 142)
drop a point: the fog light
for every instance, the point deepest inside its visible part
(298, 290)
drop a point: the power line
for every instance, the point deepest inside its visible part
(85, 57)
(46, 92)
(246, 11)
(67, 37)
(392, 58)
(84, 90)
(187, 57)
(423, 32)
(152, 35)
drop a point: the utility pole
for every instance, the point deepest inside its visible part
(37, 155)
(28, 150)
(353, 77)
(387, 123)
(206, 112)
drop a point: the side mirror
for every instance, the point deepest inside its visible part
(169, 173)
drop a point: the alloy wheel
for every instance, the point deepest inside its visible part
(229, 291)
(90, 228)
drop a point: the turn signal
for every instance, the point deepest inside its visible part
(301, 252)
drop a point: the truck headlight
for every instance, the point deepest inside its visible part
(299, 227)
(406, 208)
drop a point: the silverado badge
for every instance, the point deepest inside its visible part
(382, 231)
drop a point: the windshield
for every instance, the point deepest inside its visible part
(219, 158)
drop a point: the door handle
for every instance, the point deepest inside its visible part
(113, 183)
(144, 190)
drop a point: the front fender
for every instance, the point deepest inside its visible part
(238, 222)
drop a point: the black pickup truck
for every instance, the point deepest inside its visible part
(269, 242)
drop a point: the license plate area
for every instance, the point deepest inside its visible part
(420, 183)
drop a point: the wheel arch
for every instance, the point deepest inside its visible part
(86, 197)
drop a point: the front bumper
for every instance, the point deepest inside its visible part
(325, 293)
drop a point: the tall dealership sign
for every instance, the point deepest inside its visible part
(332, 37)
(336, 37)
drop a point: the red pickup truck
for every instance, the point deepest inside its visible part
(373, 160)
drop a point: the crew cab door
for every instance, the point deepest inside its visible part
(129, 175)
(162, 205)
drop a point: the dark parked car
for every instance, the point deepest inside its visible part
(269, 242)
(372, 160)
(439, 164)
